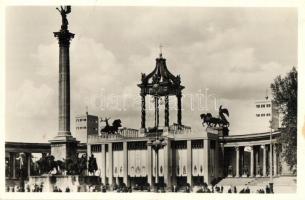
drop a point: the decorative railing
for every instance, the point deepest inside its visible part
(180, 129)
(125, 133)
(122, 133)
(129, 133)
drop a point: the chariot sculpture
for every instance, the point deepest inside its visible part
(220, 121)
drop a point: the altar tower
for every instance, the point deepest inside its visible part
(64, 145)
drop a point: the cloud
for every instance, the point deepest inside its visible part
(234, 52)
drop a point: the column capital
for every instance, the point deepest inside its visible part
(236, 148)
(64, 37)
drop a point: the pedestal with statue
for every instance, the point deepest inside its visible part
(63, 170)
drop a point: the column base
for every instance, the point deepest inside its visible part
(63, 147)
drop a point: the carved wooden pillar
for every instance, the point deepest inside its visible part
(143, 111)
(179, 96)
(166, 114)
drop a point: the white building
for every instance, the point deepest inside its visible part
(266, 111)
(85, 125)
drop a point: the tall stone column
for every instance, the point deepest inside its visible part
(264, 160)
(237, 162)
(166, 112)
(103, 164)
(252, 161)
(125, 164)
(64, 146)
(149, 165)
(64, 38)
(179, 116)
(189, 162)
(143, 112)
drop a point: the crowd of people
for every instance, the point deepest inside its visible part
(123, 188)
(26, 188)
(248, 190)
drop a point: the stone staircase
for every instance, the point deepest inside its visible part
(235, 181)
(282, 184)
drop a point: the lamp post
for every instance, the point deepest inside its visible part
(271, 159)
(158, 142)
(156, 145)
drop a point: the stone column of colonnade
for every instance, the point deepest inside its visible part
(251, 161)
(125, 164)
(264, 160)
(206, 164)
(149, 165)
(29, 161)
(12, 164)
(103, 167)
(237, 174)
(167, 163)
(206, 148)
(189, 162)
(274, 160)
(110, 166)
(89, 152)
(255, 161)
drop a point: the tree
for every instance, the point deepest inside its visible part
(284, 90)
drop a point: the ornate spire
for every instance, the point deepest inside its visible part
(160, 55)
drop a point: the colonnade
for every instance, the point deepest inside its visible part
(11, 164)
(259, 165)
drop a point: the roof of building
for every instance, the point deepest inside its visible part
(169, 84)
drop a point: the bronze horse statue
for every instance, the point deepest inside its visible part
(214, 121)
(111, 129)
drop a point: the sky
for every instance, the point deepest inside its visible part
(228, 54)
